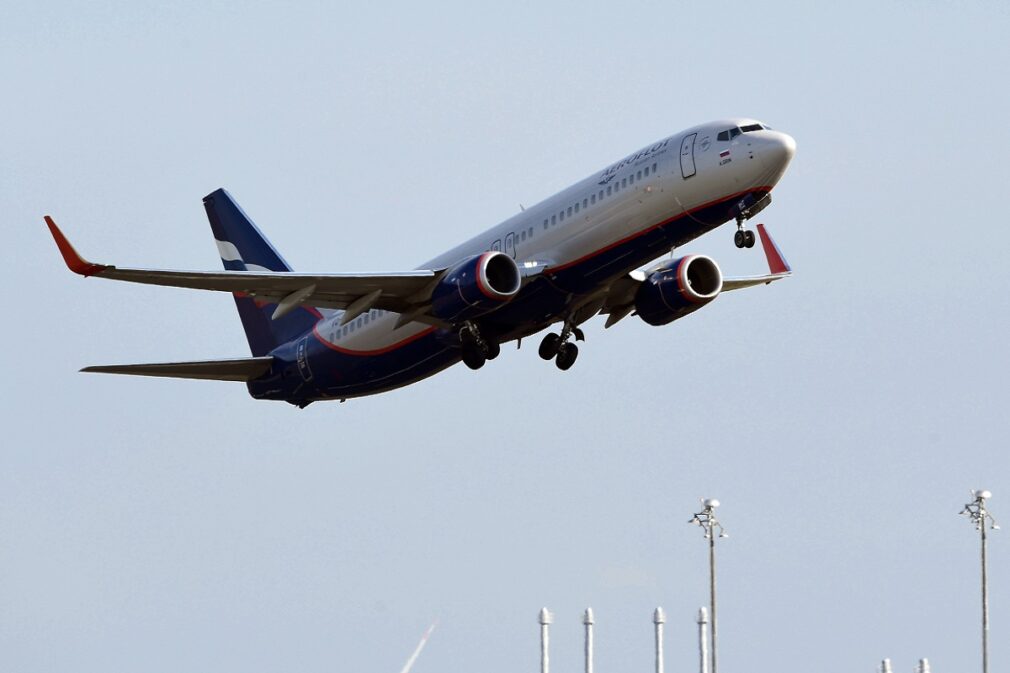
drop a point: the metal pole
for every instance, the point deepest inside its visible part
(978, 513)
(985, 606)
(658, 618)
(703, 640)
(706, 519)
(545, 625)
(711, 597)
(885, 666)
(587, 619)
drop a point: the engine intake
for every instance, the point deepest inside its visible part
(476, 286)
(677, 289)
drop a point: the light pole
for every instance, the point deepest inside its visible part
(706, 519)
(980, 516)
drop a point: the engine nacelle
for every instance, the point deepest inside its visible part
(678, 288)
(475, 286)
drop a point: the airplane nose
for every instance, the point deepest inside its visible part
(779, 150)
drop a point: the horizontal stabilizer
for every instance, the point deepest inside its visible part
(239, 369)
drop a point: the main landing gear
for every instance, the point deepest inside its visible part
(743, 238)
(476, 349)
(556, 347)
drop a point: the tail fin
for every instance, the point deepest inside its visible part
(244, 248)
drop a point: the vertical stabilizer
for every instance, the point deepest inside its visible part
(244, 248)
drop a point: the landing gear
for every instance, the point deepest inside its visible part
(549, 346)
(566, 356)
(556, 347)
(743, 238)
(475, 349)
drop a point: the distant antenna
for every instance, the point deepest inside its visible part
(587, 619)
(706, 519)
(923, 666)
(545, 618)
(420, 646)
(980, 516)
(702, 640)
(885, 666)
(658, 618)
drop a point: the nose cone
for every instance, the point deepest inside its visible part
(777, 151)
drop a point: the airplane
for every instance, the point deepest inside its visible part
(571, 257)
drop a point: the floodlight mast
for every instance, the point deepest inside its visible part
(706, 519)
(979, 515)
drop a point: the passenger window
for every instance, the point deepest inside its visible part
(646, 171)
(545, 225)
(653, 168)
(639, 175)
(631, 179)
(522, 235)
(592, 199)
(624, 182)
(608, 190)
(585, 202)
(554, 220)
(569, 211)
(531, 232)
(601, 195)
(576, 206)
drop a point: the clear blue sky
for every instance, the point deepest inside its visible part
(841, 416)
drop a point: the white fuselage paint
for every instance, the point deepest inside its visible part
(755, 159)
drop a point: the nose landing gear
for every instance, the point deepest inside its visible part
(556, 347)
(743, 238)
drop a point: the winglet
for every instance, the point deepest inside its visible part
(74, 261)
(776, 262)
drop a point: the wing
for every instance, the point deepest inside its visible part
(620, 300)
(404, 292)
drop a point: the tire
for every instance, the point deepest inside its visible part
(739, 238)
(549, 346)
(493, 350)
(749, 239)
(567, 356)
(473, 358)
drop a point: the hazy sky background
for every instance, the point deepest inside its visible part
(841, 416)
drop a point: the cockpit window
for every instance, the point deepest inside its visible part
(752, 127)
(728, 134)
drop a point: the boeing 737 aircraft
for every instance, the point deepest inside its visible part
(562, 261)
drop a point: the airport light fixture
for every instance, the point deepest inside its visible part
(708, 522)
(979, 515)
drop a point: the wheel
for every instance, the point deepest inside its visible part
(740, 238)
(493, 350)
(549, 346)
(473, 358)
(566, 356)
(749, 239)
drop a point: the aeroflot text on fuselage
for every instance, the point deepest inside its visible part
(575, 255)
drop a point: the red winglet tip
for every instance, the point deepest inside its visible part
(776, 262)
(74, 261)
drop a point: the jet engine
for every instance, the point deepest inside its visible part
(475, 286)
(678, 288)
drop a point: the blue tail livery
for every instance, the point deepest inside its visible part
(582, 252)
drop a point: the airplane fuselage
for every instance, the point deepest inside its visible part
(569, 248)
